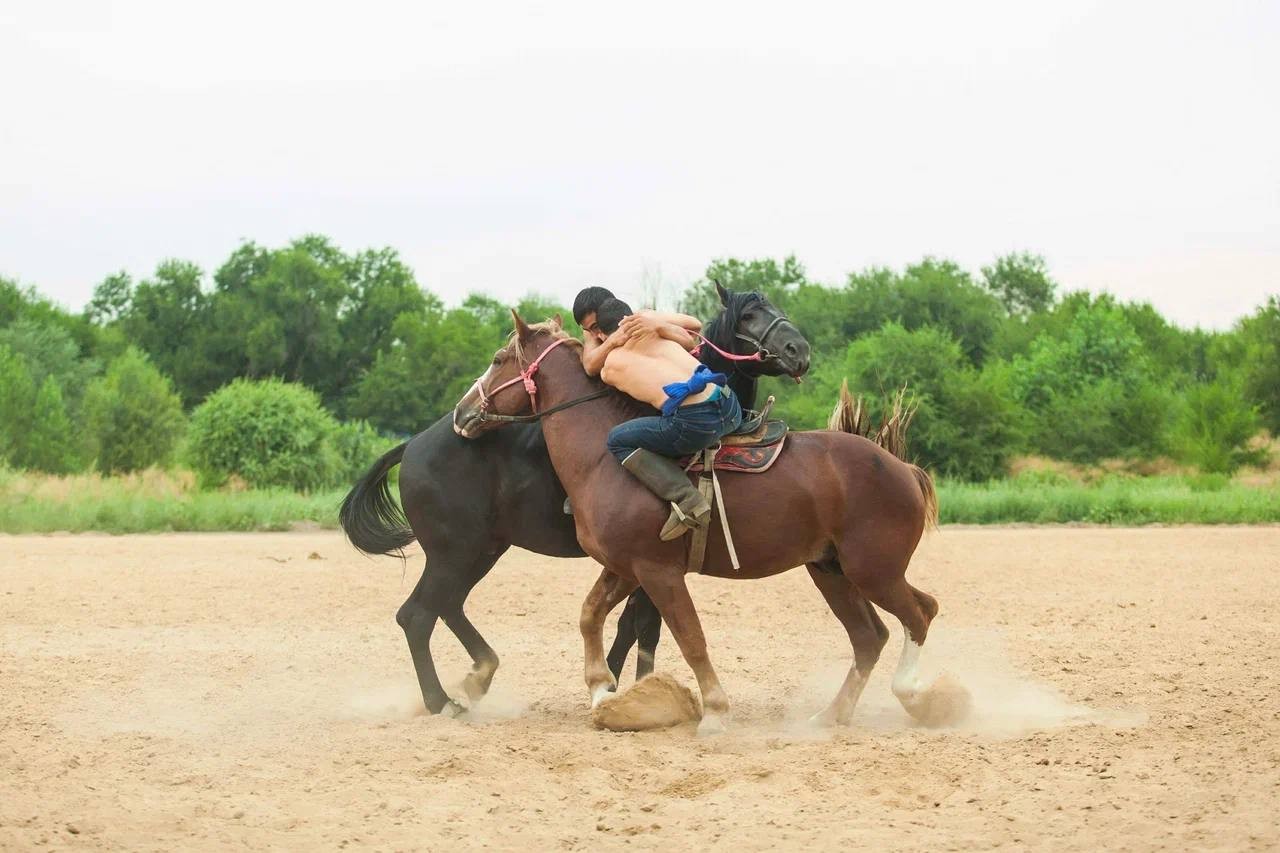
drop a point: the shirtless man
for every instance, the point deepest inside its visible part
(647, 357)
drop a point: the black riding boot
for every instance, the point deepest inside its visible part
(667, 480)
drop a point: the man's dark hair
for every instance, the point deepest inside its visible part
(589, 299)
(610, 314)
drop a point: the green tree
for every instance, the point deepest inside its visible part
(431, 365)
(1259, 345)
(1092, 393)
(133, 416)
(17, 400)
(776, 280)
(1021, 282)
(52, 445)
(965, 424)
(50, 350)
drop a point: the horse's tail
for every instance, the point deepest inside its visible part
(850, 415)
(371, 518)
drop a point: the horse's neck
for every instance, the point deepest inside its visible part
(741, 383)
(745, 387)
(576, 438)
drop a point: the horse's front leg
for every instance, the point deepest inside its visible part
(608, 590)
(665, 585)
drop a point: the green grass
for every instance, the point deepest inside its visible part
(156, 501)
(1116, 499)
(151, 502)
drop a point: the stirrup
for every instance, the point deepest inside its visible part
(680, 522)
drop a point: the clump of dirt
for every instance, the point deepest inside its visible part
(657, 701)
(946, 702)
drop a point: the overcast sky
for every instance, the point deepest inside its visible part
(517, 147)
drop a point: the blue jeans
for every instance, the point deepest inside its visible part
(692, 428)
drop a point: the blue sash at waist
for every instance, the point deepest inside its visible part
(678, 392)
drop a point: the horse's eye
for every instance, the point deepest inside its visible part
(497, 359)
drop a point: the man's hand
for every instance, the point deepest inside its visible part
(649, 323)
(594, 354)
(640, 325)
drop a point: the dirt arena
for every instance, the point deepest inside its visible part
(186, 691)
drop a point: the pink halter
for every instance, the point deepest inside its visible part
(526, 376)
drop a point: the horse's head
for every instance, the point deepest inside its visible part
(509, 389)
(751, 324)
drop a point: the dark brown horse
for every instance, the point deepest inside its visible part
(835, 502)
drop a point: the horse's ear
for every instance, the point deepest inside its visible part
(558, 320)
(724, 294)
(522, 328)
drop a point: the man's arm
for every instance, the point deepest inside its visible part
(595, 352)
(684, 321)
(651, 322)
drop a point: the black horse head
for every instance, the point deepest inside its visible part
(751, 324)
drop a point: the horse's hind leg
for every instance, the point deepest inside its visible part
(648, 627)
(915, 610)
(606, 592)
(418, 616)
(867, 635)
(624, 639)
(641, 623)
(484, 660)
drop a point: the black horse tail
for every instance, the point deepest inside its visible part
(850, 415)
(371, 518)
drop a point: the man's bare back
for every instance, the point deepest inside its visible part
(645, 363)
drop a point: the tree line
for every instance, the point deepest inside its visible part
(350, 350)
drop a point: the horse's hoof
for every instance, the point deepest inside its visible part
(710, 726)
(823, 719)
(453, 710)
(600, 693)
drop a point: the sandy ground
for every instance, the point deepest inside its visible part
(186, 691)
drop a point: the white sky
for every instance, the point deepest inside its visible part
(547, 146)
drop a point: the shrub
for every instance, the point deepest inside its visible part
(358, 445)
(133, 415)
(267, 432)
(1214, 427)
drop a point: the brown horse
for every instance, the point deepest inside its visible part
(835, 502)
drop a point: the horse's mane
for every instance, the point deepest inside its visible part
(720, 331)
(546, 327)
(630, 408)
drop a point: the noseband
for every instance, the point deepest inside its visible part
(761, 351)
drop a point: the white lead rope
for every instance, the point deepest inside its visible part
(724, 520)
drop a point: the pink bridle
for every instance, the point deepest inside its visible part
(526, 376)
(755, 356)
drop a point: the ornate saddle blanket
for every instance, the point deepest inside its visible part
(753, 457)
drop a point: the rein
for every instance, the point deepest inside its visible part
(528, 419)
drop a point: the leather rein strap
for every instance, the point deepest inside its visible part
(485, 415)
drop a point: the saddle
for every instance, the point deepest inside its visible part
(751, 449)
